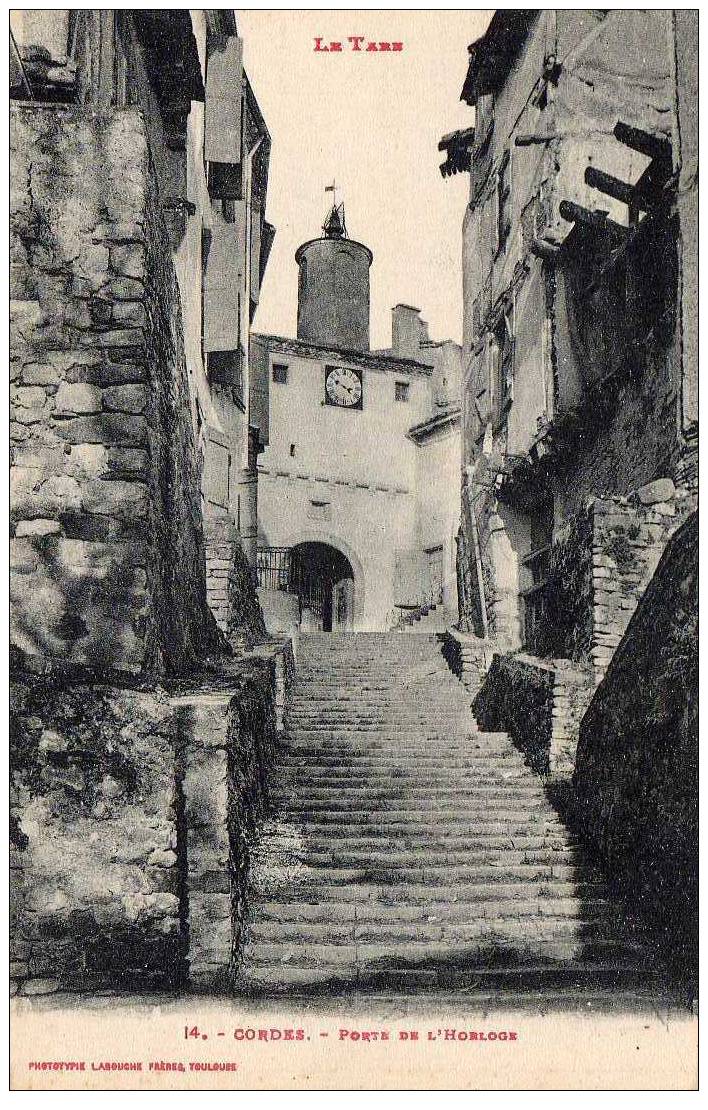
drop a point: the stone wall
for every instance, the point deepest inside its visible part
(601, 562)
(230, 739)
(637, 761)
(468, 657)
(231, 590)
(629, 537)
(539, 703)
(97, 839)
(107, 551)
(517, 697)
(569, 622)
(131, 816)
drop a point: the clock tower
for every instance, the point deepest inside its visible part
(333, 289)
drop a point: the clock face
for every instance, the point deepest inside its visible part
(343, 387)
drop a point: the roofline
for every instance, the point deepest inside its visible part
(329, 239)
(362, 358)
(439, 420)
(255, 109)
(493, 54)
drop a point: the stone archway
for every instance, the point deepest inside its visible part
(321, 536)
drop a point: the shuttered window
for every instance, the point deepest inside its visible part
(503, 202)
(502, 364)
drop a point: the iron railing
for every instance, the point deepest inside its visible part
(274, 568)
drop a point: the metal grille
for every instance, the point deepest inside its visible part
(435, 576)
(274, 568)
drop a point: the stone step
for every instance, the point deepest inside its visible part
(398, 696)
(324, 831)
(420, 651)
(423, 858)
(370, 796)
(386, 679)
(434, 953)
(356, 708)
(532, 915)
(614, 976)
(470, 892)
(334, 808)
(355, 739)
(391, 667)
(300, 792)
(439, 841)
(470, 817)
(525, 934)
(333, 778)
(392, 761)
(450, 725)
(392, 756)
(502, 873)
(466, 853)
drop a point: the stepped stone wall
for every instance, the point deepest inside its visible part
(230, 741)
(539, 702)
(467, 656)
(600, 564)
(637, 761)
(629, 538)
(107, 556)
(231, 590)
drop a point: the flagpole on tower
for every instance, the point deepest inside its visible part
(332, 189)
(334, 226)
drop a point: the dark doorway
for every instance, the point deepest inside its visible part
(324, 581)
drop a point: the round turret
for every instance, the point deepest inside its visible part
(333, 290)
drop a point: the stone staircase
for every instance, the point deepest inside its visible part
(428, 618)
(407, 851)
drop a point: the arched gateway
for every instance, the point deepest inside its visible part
(325, 576)
(323, 579)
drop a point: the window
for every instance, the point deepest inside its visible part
(280, 373)
(226, 368)
(225, 180)
(502, 365)
(403, 390)
(503, 202)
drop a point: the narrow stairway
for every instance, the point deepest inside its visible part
(408, 852)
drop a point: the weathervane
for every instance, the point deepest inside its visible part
(335, 226)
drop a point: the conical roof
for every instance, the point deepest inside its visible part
(333, 226)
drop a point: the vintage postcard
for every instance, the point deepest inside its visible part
(354, 484)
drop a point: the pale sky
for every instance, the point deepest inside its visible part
(371, 122)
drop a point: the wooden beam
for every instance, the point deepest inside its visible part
(575, 213)
(653, 146)
(606, 183)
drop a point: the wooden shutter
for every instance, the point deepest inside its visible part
(222, 108)
(224, 281)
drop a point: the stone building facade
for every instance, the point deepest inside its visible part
(579, 319)
(578, 539)
(358, 486)
(138, 240)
